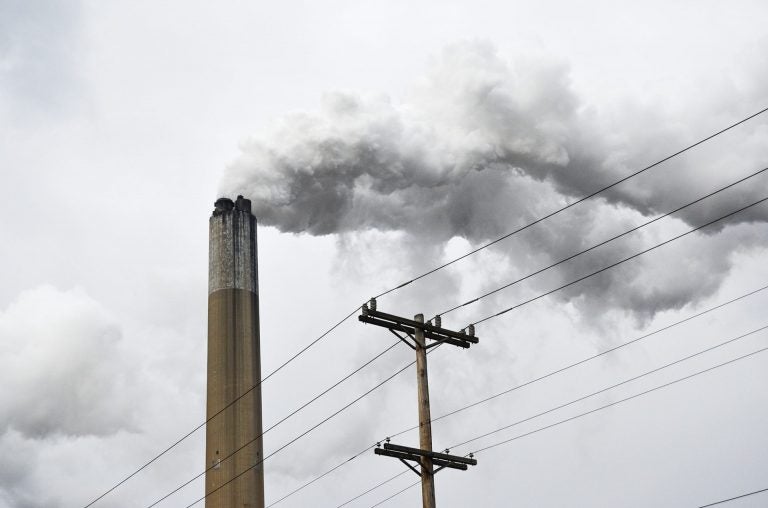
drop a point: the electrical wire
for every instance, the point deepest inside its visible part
(398, 475)
(620, 401)
(612, 265)
(585, 397)
(380, 484)
(332, 328)
(230, 404)
(294, 412)
(509, 309)
(583, 361)
(283, 446)
(320, 477)
(350, 404)
(616, 385)
(593, 247)
(396, 494)
(527, 383)
(734, 498)
(606, 406)
(637, 254)
(574, 203)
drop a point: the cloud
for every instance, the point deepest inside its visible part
(483, 146)
(61, 354)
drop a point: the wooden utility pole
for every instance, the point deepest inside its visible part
(419, 332)
(425, 416)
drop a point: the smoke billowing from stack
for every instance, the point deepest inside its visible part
(483, 146)
(234, 359)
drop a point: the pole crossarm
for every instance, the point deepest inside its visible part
(440, 460)
(409, 326)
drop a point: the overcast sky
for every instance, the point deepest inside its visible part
(378, 139)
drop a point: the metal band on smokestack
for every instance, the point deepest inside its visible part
(234, 359)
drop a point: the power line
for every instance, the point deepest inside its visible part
(612, 265)
(285, 445)
(638, 254)
(530, 382)
(734, 498)
(560, 422)
(622, 400)
(249, 390)
(380, 484)
(321, 476)
(350, 404)
(398, 475)
(585, 360)
(632, 230)
(332, 328)
(292, 413)
(603, 390)
(590, 275)
(698, 200)
(581, 399)
(574, 203)
(395, 494)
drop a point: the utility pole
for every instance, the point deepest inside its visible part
(425, 416)
(419, 332)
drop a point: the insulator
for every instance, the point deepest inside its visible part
(364, 308)
(387, 440)
(438, 321)
(378, 444)
(471, 330)
(471, 455)
(372, 304)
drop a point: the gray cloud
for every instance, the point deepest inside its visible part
(61, 353)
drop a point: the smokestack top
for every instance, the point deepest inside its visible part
(232, 246)
(226, 205)
(243, 204)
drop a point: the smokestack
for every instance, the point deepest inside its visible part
(234, 359)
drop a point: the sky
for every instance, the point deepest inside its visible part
(378, 140)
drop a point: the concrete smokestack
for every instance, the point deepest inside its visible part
(234, 358)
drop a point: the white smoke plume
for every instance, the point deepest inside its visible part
(483, 146)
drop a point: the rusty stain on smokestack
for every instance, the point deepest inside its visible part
(234, 359)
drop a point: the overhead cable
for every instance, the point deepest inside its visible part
(527, 383)
(332, 328)
(616, 385)
(574, 203)
(624, 260)
(583, 398)
(606, 406)
(734, 498)
(593, 247)
(282, 447)
(230, 404)
(620, 401)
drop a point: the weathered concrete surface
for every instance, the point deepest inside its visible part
(232, 247)
(234, 360)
